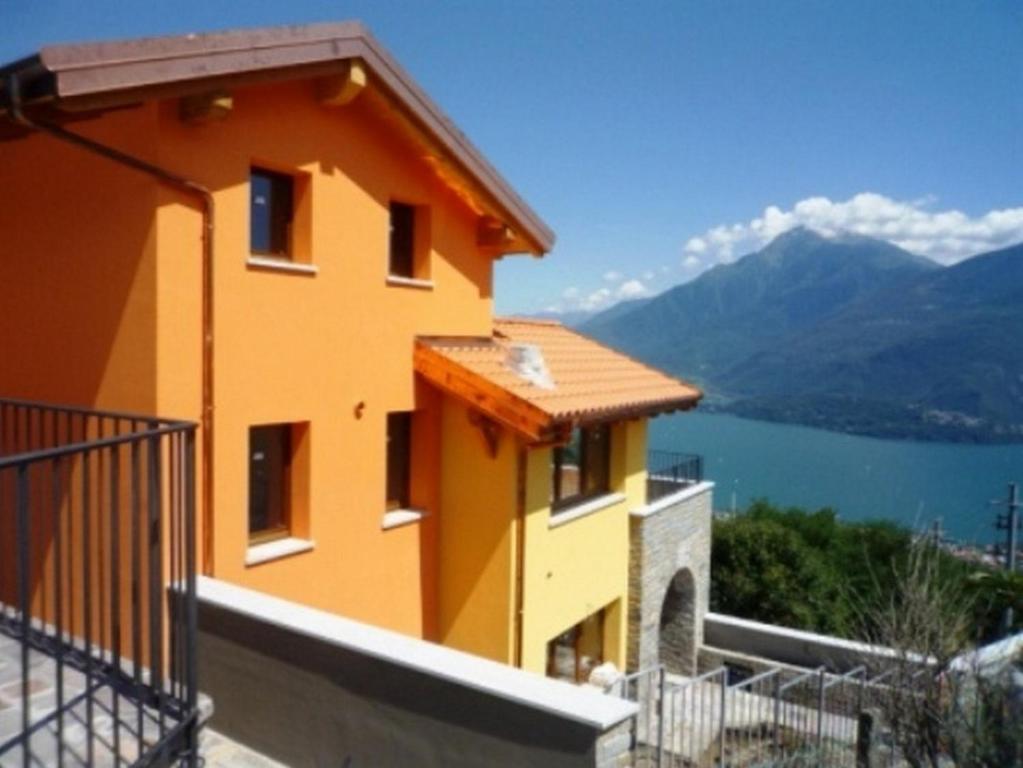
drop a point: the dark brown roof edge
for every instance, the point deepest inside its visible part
(632, 411)
(66, 72)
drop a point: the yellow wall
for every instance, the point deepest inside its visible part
(477, 538)
(577, 568)
(102, 306)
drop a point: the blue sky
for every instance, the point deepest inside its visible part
(660, 138)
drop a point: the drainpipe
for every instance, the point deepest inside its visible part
(205, 197)
(522, 471)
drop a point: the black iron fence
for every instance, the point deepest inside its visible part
(97, 587)
(668, 471)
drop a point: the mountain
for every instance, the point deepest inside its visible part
(732, 311)
(845, 333)
(572, 318)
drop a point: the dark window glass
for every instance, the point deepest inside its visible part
(271, 212)
(269, 469)
(399, 445)
(403, 221)
(575, 653)
(581, 469)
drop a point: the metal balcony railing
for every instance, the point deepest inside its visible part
(668, 472)
(97, 587)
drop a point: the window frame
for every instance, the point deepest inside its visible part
(405, 213)
(282, 528)
(404, 495)
(283, 190)
(561, 503)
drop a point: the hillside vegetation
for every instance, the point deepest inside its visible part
(811, 571)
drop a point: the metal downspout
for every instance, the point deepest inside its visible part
(522, 477)
(196, 190)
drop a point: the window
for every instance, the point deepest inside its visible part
(270, 464)
(575, 653)
(271, 212)
(582, 469)
(399, 446)
(403, 240)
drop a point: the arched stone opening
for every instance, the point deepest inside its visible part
(676, 638)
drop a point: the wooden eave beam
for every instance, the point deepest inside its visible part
(342, 88)
(497, 403)
(205, 107)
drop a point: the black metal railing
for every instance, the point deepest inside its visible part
(668, 472)
(97, 587)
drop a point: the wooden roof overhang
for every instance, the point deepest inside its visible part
(64, 83)
(536, 425)
(504, 407)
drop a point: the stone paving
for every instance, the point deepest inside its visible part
(121, 730)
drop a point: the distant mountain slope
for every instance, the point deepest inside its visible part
(849, 333)
(729, 313)
(941, 356)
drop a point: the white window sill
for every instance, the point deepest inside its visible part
(584, 508)
(276, 549)
(281, 265)
(398, 517)
(410, 282)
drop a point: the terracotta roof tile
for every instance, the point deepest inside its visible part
(591, 382)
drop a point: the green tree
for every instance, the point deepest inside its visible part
(765, 571)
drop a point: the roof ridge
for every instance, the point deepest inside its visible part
(526, 320)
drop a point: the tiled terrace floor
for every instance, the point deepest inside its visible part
(121, 730)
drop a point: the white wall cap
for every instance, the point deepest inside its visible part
(572, 702)
(671, 500)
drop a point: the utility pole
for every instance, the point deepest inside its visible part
(1009, 522)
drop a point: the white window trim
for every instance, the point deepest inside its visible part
(281, 265)
(276, 549)
(396, 518)
(584, 508)
(410, 282)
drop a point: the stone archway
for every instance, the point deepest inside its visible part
(669, 580)
(676, 637)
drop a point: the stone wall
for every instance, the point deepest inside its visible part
(669, 557)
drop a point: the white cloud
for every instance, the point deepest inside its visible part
(631, 289)
(612, 276)
(598, 299)
(945, 236)
(570, 293)
(690, 263)
(649, 275)
(696, 245)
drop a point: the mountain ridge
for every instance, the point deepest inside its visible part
(847, 333)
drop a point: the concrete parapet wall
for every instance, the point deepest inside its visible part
(737, 638)
(313, 689)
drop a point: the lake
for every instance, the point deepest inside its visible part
(860, 477)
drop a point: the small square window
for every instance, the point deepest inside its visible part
(403, 240)
(271, 213)
(270, 461)
(582, 469)
(399, 453)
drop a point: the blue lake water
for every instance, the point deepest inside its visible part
(861, 477)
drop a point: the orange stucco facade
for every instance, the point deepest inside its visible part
(102, 274)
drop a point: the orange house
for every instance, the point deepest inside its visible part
(277, 235)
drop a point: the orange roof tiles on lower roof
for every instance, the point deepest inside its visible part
(591, 382)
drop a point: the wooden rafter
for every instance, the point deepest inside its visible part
(499, 404)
